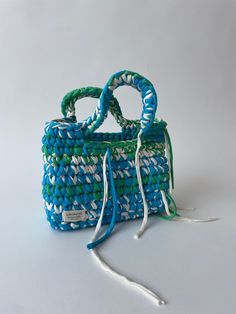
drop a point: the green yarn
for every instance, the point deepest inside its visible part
(173, 210)
(96, 149)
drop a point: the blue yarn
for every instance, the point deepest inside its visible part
(115, 207)
(143, 86)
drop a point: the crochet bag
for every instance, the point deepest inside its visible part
(73, 160)
(93, 178)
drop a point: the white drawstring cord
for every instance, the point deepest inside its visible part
(105, 198)
(165, 203)
(145, 291)
(177, 218)
(195, 220)
(145, 205)
(182, 218)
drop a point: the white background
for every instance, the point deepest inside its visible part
(187, 49)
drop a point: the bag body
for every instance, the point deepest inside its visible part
(73, 154)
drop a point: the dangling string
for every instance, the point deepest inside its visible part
(145, 205)
(172, 209)
(105, 197)
(94, 242)
(195, 220)
(145, 291)
(137, 165)
(171, 214)
(165, 203)
(169, 156)
(175, 216)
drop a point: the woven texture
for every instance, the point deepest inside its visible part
(73, 155)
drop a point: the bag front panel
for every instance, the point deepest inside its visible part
(73, 175)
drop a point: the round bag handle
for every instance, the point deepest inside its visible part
(69, 100)
(135, 80)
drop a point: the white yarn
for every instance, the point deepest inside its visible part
(145, 205)
(182, 218)
(165, 202)
(105, 198)
(145, 291)
(195, 220)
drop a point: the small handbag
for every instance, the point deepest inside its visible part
(92, 178)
